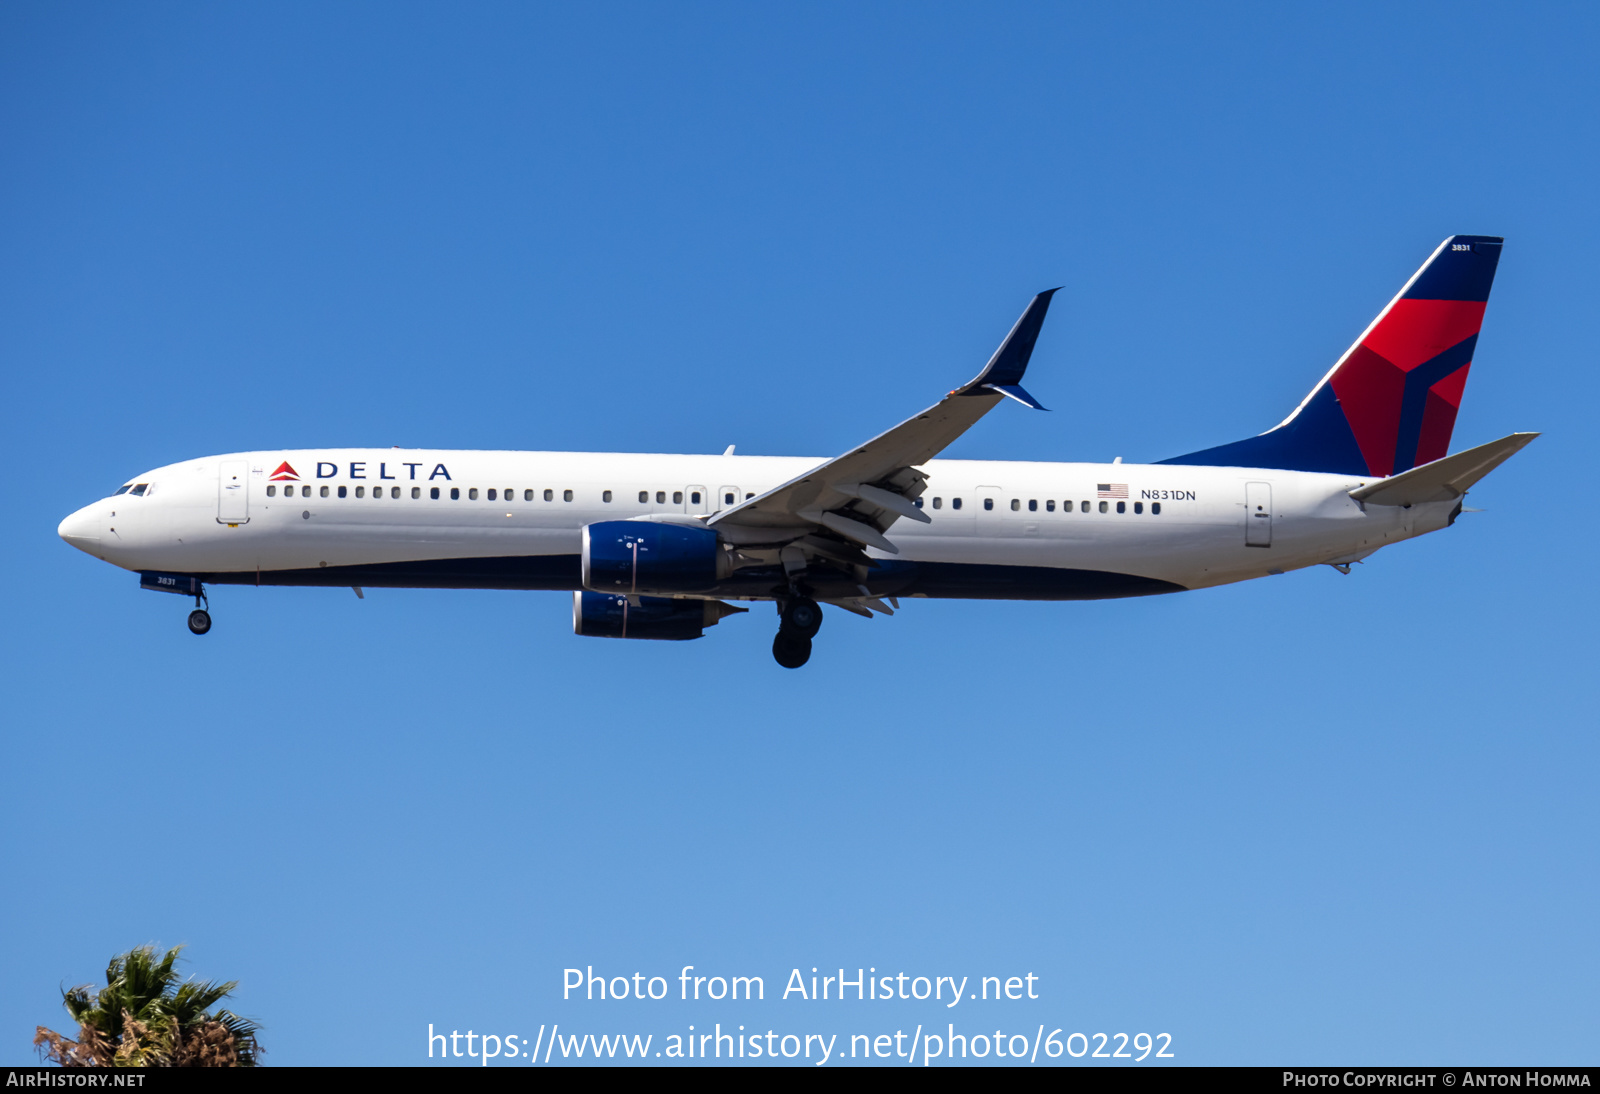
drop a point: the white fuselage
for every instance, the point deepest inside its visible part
(364, 513)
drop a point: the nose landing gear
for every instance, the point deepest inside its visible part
(200, 618)
(801, 618)
(183, 585)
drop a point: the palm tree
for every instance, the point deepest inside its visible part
(144, 1018)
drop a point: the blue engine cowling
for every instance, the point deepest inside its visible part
(608, 615)
(637, 556)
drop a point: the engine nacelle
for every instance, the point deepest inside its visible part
(639, 556)
(608, 615)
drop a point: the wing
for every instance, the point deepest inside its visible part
(842, 506)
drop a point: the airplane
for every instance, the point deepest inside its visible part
(665, 546)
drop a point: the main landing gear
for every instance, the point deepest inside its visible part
(801, 618)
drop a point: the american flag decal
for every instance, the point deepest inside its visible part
(1111, 490)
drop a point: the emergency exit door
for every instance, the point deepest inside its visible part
(233, 492)
(1258, 514)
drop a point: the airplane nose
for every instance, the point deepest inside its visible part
(82, 530)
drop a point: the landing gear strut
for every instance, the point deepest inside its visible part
(801, 619)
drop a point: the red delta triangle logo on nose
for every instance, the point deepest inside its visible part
(284, 471)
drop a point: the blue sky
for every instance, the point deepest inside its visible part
(1311, 819)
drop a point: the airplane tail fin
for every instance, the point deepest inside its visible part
(1389, 404)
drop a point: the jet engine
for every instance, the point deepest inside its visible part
(608, 615)
(637, 556)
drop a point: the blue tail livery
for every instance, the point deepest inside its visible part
(1389, 404)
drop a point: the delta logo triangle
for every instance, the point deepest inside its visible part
(284, 471)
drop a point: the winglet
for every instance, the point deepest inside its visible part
(1003, 373)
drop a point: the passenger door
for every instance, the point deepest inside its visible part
(233, 492)
(1258, 514)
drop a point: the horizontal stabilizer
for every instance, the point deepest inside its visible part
(1443, 479)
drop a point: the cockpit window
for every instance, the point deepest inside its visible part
(123, 490)
(139, 489)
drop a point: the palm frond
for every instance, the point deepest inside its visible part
(144, 1017)
(191, 1001)
(243, 1031)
